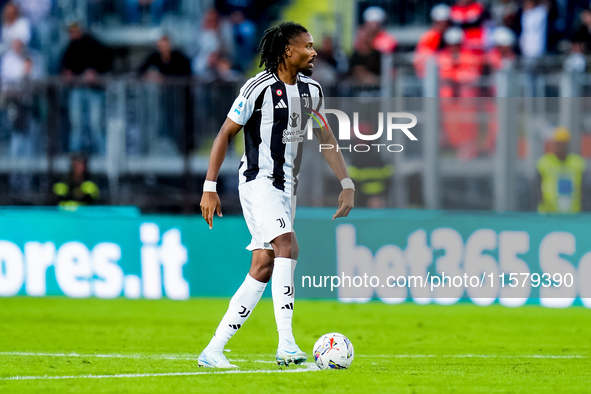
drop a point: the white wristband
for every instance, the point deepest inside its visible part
(210, 186)
(347, 183)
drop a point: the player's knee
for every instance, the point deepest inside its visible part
(262, 273)
(283, 246)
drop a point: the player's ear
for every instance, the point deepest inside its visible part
(288, 50)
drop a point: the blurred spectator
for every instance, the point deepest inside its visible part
(373, 31)
(502, 54)
(165, 62)
(583, 34)
(432, 40)
(37, 12)
(575, 61)
(533, 29)
(22, 116)
(469, 15)
(460, 69)
(219, 69)
(533, 41)
(173, 96)
(504, 12)
(330, 62)
(135, 10)
(84, 61)
(365, 63)
(560, 177)
(562, 16)
(209, 40)
(245, 39)
(78, 189)
(14, 27)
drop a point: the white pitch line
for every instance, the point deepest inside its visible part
(470, 356)
(134, 356)
(309, 368)
(155, 357)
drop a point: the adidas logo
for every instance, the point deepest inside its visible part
(281, 104)
(288, 306)
(234, 326)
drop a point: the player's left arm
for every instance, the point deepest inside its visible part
(335, 160)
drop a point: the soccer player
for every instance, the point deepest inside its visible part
(268, 179)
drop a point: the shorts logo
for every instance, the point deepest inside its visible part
(279, 92)
(288, 291)
(281, 223)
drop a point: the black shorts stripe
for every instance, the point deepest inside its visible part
(252, 139)
(250, 90)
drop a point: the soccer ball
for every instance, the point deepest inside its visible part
(333, 351)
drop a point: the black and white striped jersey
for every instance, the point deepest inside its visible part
(273, 125)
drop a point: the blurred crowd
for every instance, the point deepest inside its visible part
(222, 50)
(468, 41)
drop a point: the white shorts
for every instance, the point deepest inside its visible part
(268, 211)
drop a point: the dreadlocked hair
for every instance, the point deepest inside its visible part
(275, 40)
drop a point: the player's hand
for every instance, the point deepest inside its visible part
(210, 203)
(346, 203)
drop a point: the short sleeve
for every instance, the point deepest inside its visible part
(242, 109)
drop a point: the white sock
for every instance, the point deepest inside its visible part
(241, 305)
(283, 296)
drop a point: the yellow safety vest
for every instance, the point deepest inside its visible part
(74, 198)
(561, 183)
(371, 180)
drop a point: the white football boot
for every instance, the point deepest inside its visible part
(214, 359)
(289, 352)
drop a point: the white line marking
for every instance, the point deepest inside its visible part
(134, 356)
(309, 367)
(142, 356)
(469, 356)
(150, 375)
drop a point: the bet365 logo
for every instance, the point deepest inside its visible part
(344, 130)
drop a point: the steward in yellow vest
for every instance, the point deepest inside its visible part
(560, 175)
(78, 189)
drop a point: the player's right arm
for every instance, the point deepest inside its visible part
(210, 201)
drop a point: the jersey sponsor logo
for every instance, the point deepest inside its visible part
(281, 104)
(279, 92)
(294, 119)
(238, 110)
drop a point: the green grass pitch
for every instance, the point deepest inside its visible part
(66, 345)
